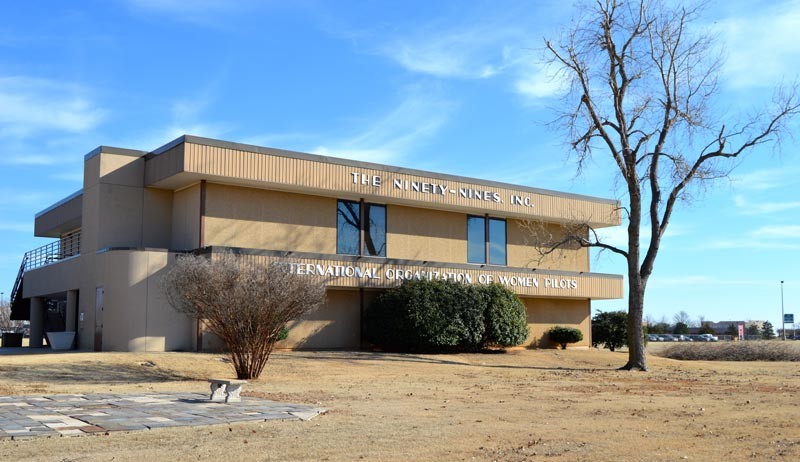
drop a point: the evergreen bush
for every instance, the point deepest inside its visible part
(505, 317)
(445, 316)
(564, 335)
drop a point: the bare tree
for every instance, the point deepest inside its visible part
(642, 87)
(246, 304)
(682, 317)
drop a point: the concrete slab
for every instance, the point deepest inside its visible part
(57, 415)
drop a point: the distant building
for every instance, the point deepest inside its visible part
(723, 326)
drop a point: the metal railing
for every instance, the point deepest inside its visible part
(66, 246)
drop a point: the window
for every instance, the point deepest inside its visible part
(486, 240)
(497, 241)
(476, 239)
(349, 227)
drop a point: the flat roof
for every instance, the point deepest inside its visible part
(323, 159)
(367, 165)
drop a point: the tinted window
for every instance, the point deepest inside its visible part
(476, 240)
(348, 225)
(497, 241)
(375, 230)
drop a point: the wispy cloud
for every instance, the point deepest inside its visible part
(762, 45)
(17, 227)
(29, 106)
(537, 81)
(201, 12)
(768, 237)
(395, 135)
(767, 179)
(476, 51)
(618, 235)
(763, 207)
(779, 231)
(694, 280)
(187, 116)
(477, 43)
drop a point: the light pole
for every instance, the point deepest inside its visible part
(783, 319)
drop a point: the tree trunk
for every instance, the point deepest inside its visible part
(637, 360)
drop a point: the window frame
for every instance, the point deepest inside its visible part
(487, 240)
(362, 227)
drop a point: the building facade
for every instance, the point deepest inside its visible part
(361, 226)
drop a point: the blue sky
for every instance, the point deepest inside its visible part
(456, 87)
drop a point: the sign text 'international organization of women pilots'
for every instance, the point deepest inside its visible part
(401, 274)
(439, 189)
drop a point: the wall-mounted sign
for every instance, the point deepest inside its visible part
(440, 189)
(399, 274)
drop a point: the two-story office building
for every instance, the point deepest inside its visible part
(361, 226)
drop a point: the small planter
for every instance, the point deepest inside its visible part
(12, 340)
(61, 340)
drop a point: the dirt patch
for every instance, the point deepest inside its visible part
(520, 406)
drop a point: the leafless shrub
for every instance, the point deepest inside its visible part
(733, 351)
(246, 304)
(6, 324)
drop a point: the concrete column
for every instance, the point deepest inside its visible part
(37, 322)
(72, 311)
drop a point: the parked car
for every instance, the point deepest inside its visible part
(653, 338)
(670, 338)
(684, 338)
(707, 338)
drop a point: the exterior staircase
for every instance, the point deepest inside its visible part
(69, 245)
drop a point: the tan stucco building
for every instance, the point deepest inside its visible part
(361, 226)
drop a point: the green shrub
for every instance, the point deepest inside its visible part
(505, 317)
(436, 316)
(610, 329)
(564, 335)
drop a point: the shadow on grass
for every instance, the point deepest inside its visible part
(90, 372)
(427, 359)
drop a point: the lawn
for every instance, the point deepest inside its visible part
(523, 405)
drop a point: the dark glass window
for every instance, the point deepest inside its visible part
(476, 239)
(482, 248)
(497, 241)
(375, 230)
(348, 228)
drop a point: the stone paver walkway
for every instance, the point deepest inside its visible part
(69, 415)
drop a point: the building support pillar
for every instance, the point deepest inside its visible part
(72, 311)
(36, 339)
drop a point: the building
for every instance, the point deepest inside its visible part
(363, 226)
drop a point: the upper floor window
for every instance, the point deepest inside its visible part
(486, 240)
(360, 229)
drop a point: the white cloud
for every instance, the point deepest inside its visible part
(202, 12)
(618, 235)
(768, 237)
(476, 51)
(762, 46)
(766, 179)
(485, 44)
(763, 207)
(17, 227)
(772, 232)
(700, 280)
(395, 135)
(29, 106)
(537, 81)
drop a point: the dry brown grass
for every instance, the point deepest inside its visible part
(522, 406)
(772, 350)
